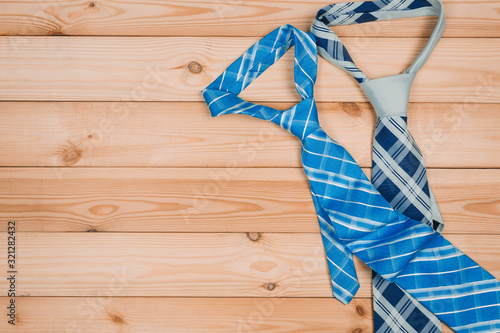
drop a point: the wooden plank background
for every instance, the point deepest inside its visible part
(137, 212)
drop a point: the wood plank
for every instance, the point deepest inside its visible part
(184, 135)
(123, 269)
(192, 264)
(210, 200)
(154, 314)
(229, 18)
(158, 314)
(156, 69)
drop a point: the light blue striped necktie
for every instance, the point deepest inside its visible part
(354, 217)
(399, 171)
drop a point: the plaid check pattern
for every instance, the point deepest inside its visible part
(400, 175)
(354, 217)
(398, 171)
(396, 311)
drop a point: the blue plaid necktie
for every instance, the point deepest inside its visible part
(399, 171)
(354, 217)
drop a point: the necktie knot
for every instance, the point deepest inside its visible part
(389, 95)
(300, 120)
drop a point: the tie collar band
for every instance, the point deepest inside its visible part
(332, 49)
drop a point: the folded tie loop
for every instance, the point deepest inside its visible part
(265, 53)
(301, 119)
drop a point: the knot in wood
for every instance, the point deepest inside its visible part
(271, 286)
(254, 236)
(194, 67)
(360, 310)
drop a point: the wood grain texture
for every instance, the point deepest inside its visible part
(175, 134)
(194, 314)
(209, 315)
(222, 18)
(192, 264)
(156, 69)
(210, 200)
(107, 132)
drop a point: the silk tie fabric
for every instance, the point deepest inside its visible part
(398, 169)
(354, 217)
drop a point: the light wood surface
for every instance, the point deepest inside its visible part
(193, 264)
(460, 70)
(203, 315)
(451, 135)
(138, 212)
(211, 199)
(479, 18)
(160, 315)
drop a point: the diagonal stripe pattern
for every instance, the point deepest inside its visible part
(354, 217)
